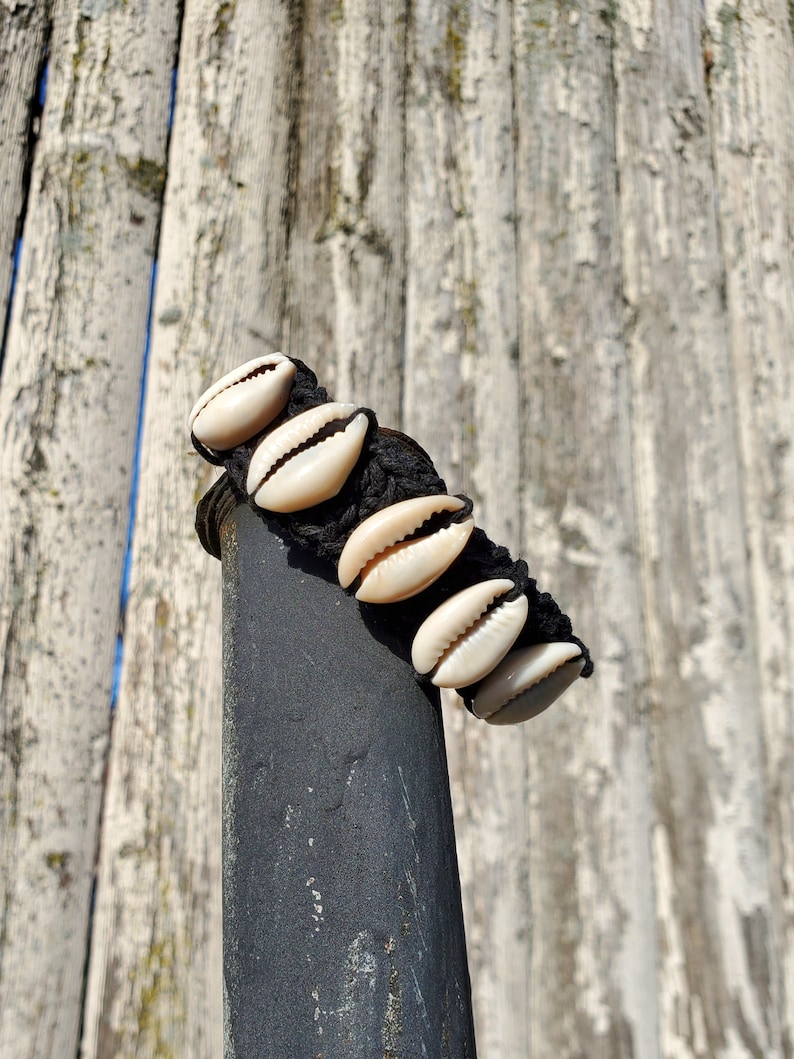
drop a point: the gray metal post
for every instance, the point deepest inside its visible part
(343, 932)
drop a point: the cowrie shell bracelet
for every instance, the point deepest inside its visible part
(370, 500)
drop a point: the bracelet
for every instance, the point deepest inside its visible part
(369, 500)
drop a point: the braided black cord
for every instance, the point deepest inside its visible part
(393, 467)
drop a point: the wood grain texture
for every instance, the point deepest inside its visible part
(23, 32)
(344, 306)
(713, 881)
(156, 973)
(594, 948)
(462, 403)
(68, 415)
(750, 91)
(552, 242)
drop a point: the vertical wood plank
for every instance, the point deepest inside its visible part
(594, 947)
(462, 403)
(437, 308)
(346, 255)
(155, 985)
(750, 81)
(23, 31)
(552, 243)
(713, 882)
(68, 413)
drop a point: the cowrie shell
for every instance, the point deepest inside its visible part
(462, 640)
(392, 568)
(282, 482)
(527, 682)
(242, 403)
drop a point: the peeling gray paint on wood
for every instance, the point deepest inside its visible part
(219, 297)
(750, 91)
(68, 413)
(554, 244)
(690, 522)
(594, 951)
(461, 344)
(346, 258)
(23, 31)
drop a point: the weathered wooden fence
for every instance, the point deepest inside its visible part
(553, 242)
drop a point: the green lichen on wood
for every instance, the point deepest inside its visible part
(55, 861)
(77, 61)
(458, 22)
(467, 303)
(730, 20)
(170, 316)
(724, 76)
(159, 996)
(220, 29)
(59, 862)
(162, 612)
(349, 217)
(145, 175)
(78, 178)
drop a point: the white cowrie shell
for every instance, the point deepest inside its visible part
(393, 569)
(528, 682)
(243, 402)
(315, 473)
(462, 641)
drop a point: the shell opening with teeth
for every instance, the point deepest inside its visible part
(469, 634)
(527, 682)
(242, 403)
(307, 459)
(399, 551)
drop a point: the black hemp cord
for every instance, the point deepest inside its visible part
(393, 467)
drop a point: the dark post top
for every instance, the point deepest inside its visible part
(343, 931)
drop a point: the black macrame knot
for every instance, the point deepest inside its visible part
(392, 467)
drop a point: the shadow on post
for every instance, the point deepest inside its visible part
(343, 931)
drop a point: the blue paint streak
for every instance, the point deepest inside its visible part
(42, 92)
(172, 101)
(136, 466)
(36, 110)
(12, 290)
(126, 574)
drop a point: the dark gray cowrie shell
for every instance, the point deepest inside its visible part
(527, 682)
